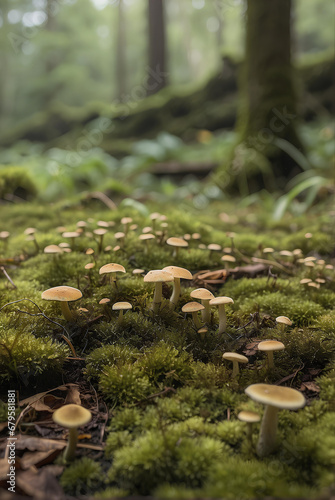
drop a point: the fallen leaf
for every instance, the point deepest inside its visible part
(41, 484)
(38, 458)
(310, 386)
(33, 443)
(73, 395)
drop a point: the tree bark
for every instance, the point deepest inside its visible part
(268, 107)
(157, 78)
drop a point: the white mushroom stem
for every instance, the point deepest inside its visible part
(175, 252)
(222, 318)
(157, 297)
(66, 311)
(70, 450)
(271, 364)
(196, 320)
(236, 369)
(206, 313)
(267, 435)
(175, 293)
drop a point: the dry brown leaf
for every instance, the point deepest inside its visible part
(36, 397)
(41, 484)
(38, 458)
(73, 395)
(33, 443)
(310, 386)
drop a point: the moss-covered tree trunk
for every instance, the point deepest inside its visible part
(268, 108)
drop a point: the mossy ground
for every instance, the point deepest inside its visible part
(172, 429)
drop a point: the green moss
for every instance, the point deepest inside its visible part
(16, 181)
(82, 477)
(125, 384)
(107, 356)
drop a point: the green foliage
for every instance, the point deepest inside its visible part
(125, 384)
(16, 181)
(107, 356)
(82, 477)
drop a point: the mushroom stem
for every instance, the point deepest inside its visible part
(267, 435)
(66, 311)
(71, 445)
(175, 252)
(113, 279)
(157, 297)
(236, 369)
(120, 318)
(271, 364)
(222, 319)
(206, 313)
(196, 320)
(176, 292)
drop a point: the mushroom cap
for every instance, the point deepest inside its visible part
(81, 223)
(203, 330)
(228, 258)
(314, 285)
(202, 294)
(217, 301)
(157, 276)
(233, 356)
(276, 395)
(121, 306)
(52, 249)
(192, 307)
(304, 281)
(268, 250)
(112, 268)
(70, 234)
(105, 300)
(126, 220)
(30, 230)
(147, 229)
(271, 345)
(178, 272)
(71, 416)
(119, 235)
(64, 245)
(62, 293)
(284, 319)
(176, 242)
(138, 271)
(214, 247)
(155, 216)
(248, 416)
(102, 223)
(4, 235)
(89, 251)
(100, 231)
(146, 236)
(90, 265)
(286, 253)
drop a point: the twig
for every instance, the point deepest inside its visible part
(7, 276)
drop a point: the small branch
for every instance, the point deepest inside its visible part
(7, 276)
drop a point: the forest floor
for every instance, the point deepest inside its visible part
(164, 403)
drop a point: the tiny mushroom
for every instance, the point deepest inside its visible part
(270, 346)
(158, 277)
(112, 269)
(121, 306)
(71, 416)
(205, 296)
(236, 359)
(63, 294)
(275, 398)
(72, 235)
(178, 273)
(53, 249)
(145, 238)
(283, 321)
(176, 243)
(221, 302)
(228, 259)
(193, 308)
(250, 418)
(100, 232)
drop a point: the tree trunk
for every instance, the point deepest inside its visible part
(157, 78)
(268, 108)
(121, 53)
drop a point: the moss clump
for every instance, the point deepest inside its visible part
(16, 181)
(82, 477)
(125, 384)
(23, 356)
(107, 356)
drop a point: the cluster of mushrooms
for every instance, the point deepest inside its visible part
(274, 397)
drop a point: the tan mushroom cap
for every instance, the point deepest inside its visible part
(112, 268)
(192, 307)
(268, 250)
(176, 242)
(71, 416)
(138, 271)
(228, 258)
(270, 345)
(89, 251)
(157, 276)
(214, 247)
(64, 245)
(30, 230)
(121, 306)
(304, 281)
(100, 231)
(126, 220)
(4, 235)
(275, 395)
(62, 293)
(119, 235)
(90, 265)
(102, 223)
(249, 417)
(146, 236)
(202, 294)
(217, 301)
(285, 253)
(52, 249)
(284, 319)
(70, 234)
(81, 223)
(147, 229)
(179, 272)
(104, 301)
(234, 356)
